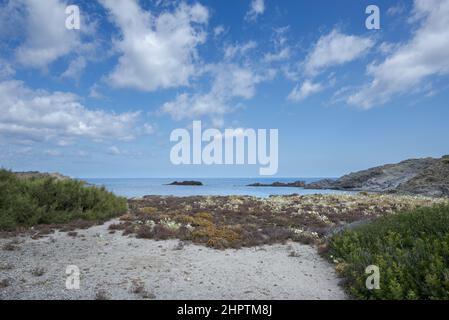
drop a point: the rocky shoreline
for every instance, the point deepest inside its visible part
(296, 184)
(427, 177)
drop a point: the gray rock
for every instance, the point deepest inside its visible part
(296, 184)
(427, 176)
(186, 183)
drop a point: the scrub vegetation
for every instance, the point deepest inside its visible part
(27, 202)
(410, 248)
(241, 221)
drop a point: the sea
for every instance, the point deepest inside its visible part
(138, 187)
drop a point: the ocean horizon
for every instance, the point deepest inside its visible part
(138, 187)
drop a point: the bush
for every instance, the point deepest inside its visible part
(411, 250)
(29, 202)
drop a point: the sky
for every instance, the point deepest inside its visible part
(102, 100)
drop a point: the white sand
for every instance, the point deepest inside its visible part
(112, 263)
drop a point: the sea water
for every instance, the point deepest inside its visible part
(138, 187)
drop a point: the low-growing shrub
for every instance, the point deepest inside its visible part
(34, 201)
(410, 248)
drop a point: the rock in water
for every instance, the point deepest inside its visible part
(297, 184)
(186, 183)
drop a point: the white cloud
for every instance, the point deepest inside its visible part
(53, 153)
(333, 49)
(47, 38)
(149, 128)
(38, 115)
(425, 54)
(387, 47)
(113, 150)
(81, 153)
(6, 70)
(257, 8)
(65, 142)
(195, 105)
(218, 30)
(305, 90)
(230, 81)
(281, 55)
(396, 9)
(282, 50)
(94, 92)
(11, 20)
(156, 51)
(75, 68)
(239, 49)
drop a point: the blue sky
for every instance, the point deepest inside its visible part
(101, 101)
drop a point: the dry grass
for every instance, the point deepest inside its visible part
(239, 221)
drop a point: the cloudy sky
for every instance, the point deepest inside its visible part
(101, 101)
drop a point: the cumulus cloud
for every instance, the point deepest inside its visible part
(230, 81)
(425, 54)
(156, 52)
(257, 8)
(334, 49)
(305, 90)
(47, 38)
(39, 115)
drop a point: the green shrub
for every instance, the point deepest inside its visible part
(28, 202)
(411, 250)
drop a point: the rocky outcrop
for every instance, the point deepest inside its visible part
(186, 183)
(296, 184)
(427, 176)
(432, 181)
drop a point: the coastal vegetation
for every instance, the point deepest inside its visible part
(411, 250)
(26, 202)
(242, 221)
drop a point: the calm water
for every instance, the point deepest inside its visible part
(219, 187)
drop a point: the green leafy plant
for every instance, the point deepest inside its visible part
(410, 248)
(33, 201)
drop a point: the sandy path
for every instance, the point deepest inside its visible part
(113, 264)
